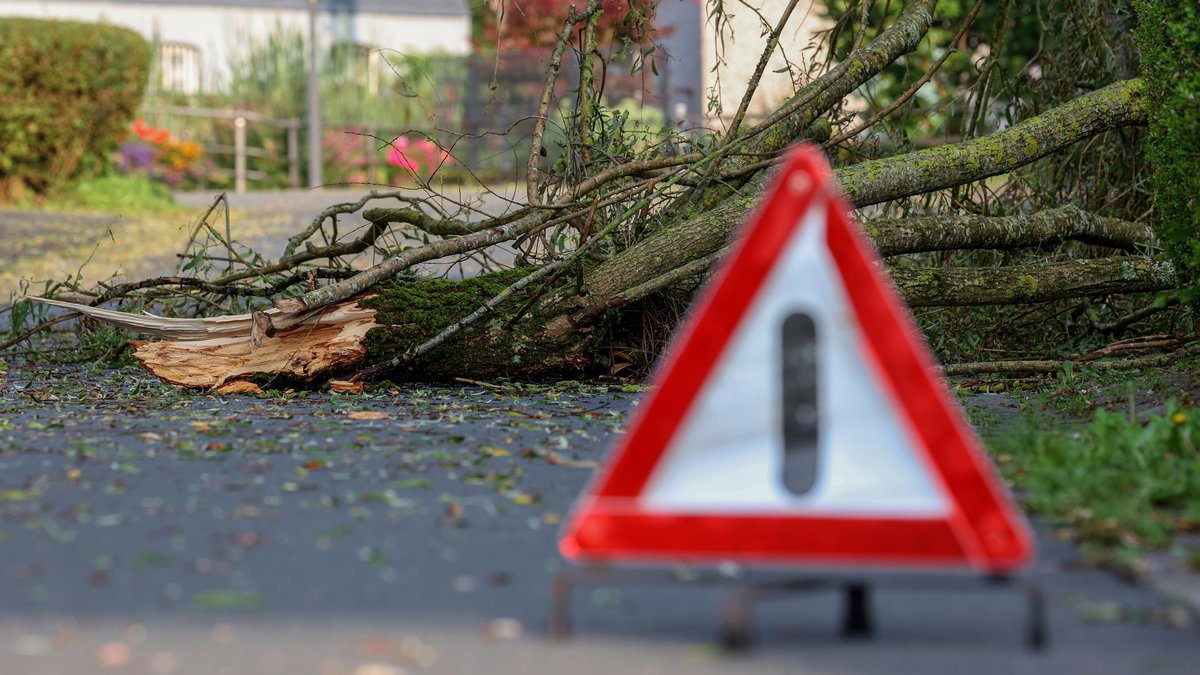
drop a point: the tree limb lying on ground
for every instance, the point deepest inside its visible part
(634, 224)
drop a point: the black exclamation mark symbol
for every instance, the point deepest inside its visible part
(799, 403)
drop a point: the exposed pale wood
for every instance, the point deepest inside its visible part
(165, 327)
(327, 343)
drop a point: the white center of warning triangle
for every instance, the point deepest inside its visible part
(728, 453)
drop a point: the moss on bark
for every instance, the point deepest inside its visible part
(413, 311)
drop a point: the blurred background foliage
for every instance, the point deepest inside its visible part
(68, 90)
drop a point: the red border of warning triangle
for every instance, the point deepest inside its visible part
(983, 531)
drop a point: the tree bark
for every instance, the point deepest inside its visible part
(1023, 284)
(943, 233)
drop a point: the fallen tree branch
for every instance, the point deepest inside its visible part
(1133, 317)
(966, 231)
(36, 329)
(791, 121)
(1117, 105)
(332, 212)
(1022, 284)
(1048, 367)
(880, 180)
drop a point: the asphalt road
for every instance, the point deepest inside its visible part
(148, 530)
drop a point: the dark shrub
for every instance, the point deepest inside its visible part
(68, 91)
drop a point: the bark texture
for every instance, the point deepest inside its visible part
(943, 233)
(1021, 284)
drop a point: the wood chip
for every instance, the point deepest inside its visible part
(345, 387)
(239, 387)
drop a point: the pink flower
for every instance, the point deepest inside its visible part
(396, 156)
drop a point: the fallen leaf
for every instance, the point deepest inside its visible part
(367, 415)
(506, 628)
(239, 387)
(226, 600)
(524, 499)
(113, 655)
(345, 387)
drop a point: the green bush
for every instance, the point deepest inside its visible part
(134, 193)
(1169, 39)
(68, 91)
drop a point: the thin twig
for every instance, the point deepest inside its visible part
(552, 70)
(37, 329)
(200, 223)
(764, 57)
(903, 98)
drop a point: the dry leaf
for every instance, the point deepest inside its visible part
(506, 628)
(239, 387)
(367, 415)
(345, 387)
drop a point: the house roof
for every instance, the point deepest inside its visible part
(418, 7)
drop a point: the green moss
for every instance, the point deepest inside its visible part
(1028, 284)
(929, 275)
(414, 310)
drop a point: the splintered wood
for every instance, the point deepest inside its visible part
(329, 341)
(323, 344)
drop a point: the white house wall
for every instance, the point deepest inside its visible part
(745, 38)
(218, 30)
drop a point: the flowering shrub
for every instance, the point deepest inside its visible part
(345, 155)
(409, 156)
(156, 154)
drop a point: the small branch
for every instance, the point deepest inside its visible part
(200, 223)
(1134, 316)
(587, 45)
(294, 242)
(1117, 105)
(767, 52)
(895, 105)
(440, 226)
(36, 329)
(539, 125)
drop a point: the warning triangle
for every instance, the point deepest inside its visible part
(797, 418)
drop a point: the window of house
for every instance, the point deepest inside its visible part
(179, 65)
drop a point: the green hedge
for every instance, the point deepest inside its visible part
(1168, 35)
(68, 90)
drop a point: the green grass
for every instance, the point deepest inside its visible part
(1116, 483)
(130, 194)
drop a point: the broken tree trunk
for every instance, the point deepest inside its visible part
(220, 352)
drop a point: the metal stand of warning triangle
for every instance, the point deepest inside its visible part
(737, 621)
